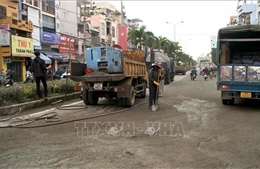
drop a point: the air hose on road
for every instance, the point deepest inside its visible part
(32, 120)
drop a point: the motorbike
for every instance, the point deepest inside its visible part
(214, 74)
(9, 81)
(205, 76)
(29, 79)
(211, 75)
(192, 76)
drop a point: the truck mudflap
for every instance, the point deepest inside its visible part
(98, 77)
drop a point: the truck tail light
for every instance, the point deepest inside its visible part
(88, 71)
(119, 89)
(77, 88)
(223, 86)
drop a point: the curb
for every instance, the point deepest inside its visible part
(12, 109)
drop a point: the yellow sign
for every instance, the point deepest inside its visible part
(22, 46)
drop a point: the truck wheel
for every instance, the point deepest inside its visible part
(85, 96)
(89, 98)
(143, 93)
(129, 102)
(172, 78)
(121, 102)
(228, 102)
(169, 78)
(92, 98)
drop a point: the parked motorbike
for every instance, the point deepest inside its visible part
(205, 76)
(9, 81)
(29, 79)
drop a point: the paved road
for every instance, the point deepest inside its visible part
(192, 129)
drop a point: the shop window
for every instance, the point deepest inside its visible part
(103, 29)
(29, 2)
(2, 11)
(48, 6)
(36, 3)
(113, 32)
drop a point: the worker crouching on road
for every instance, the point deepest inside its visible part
(154, 83)
(161, 77)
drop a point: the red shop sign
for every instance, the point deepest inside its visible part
(65, 47)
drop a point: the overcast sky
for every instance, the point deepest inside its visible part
(202, 19)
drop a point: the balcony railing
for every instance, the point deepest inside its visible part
(48, 9)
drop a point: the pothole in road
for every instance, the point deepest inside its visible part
(196, 110)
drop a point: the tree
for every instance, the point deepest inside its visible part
(214, 55)
(137, 36)
(146, 39)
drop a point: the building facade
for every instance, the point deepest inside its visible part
(16, 44)
(106, 21)
(247, 13)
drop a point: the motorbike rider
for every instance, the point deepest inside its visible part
(193, 72)
(211, 71)
(206, 70)
(154, 83)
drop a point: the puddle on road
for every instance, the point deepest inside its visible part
(196, 110)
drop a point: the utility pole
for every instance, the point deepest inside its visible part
(122, 13)
(85, 35)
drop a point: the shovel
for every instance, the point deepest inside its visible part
(155, 105)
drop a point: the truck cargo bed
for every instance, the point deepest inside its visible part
(134, 68)
(131, 68)
(98, 77)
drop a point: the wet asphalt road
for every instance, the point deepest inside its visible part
(191, 129)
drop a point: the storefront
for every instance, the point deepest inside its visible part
(49, 39)
(22, 48)
(67, 47)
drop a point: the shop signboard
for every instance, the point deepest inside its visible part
(22, 46)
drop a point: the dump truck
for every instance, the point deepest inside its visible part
(167, 64)
(111, 73)
(180, 68)
(238, 56)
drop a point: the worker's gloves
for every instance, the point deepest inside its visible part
(156, 83)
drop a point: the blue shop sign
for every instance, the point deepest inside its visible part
(48, 37)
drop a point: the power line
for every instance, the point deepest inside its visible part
(198, 34)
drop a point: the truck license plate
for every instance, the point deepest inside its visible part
(98, 86)
(246, 94)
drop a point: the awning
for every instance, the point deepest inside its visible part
(45, 58)
(52, 54)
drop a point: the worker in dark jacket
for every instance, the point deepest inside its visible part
(161, 77)
(153, 83)
(39, 70)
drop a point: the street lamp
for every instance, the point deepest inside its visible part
(174, 26)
